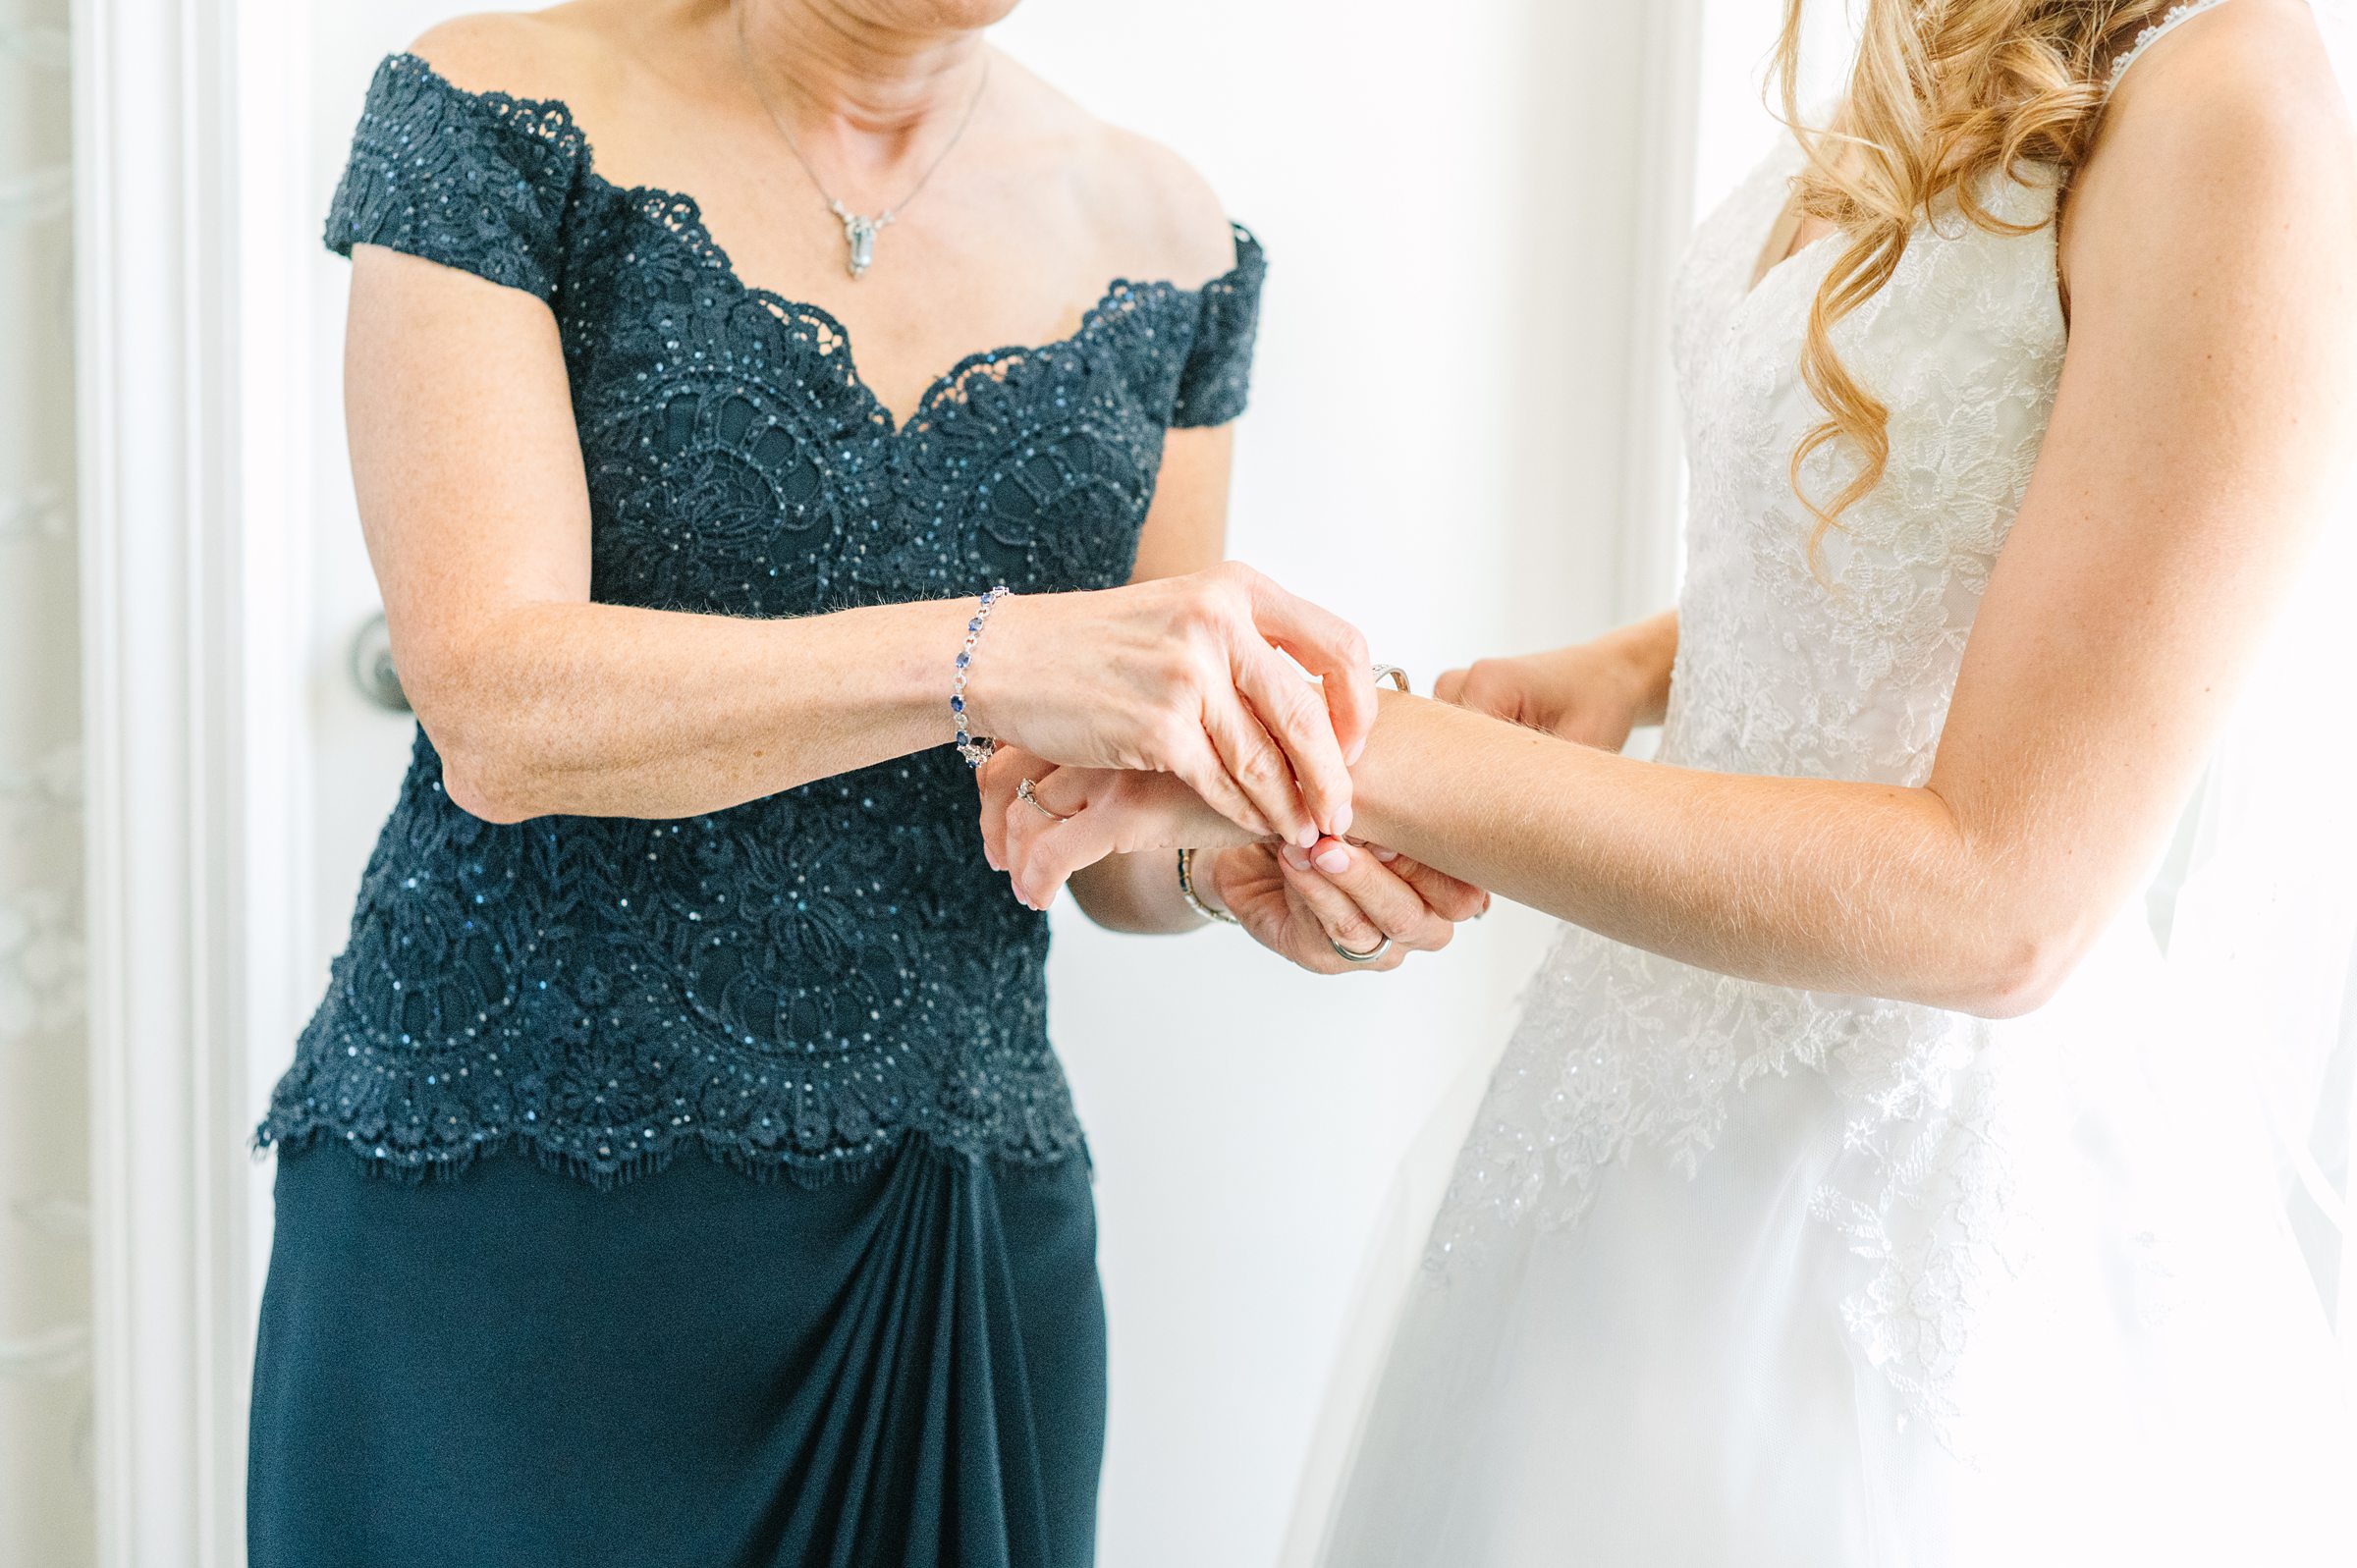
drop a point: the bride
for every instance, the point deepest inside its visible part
(1861, 1185)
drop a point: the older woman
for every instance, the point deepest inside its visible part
(691, 603)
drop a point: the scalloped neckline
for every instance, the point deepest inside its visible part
(697, 237)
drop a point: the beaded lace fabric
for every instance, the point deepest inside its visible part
(798, 984)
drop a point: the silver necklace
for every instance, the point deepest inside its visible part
(858, 229)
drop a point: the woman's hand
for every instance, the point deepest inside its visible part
(1187, 677)
(1304, 904)
(1592, 692)
(1295, 903)
(1076, 817)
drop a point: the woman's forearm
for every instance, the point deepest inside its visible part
(1823, 884)
(553, 705)
(610, 710)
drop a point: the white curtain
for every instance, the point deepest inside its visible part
(2262, 925)
(46, 1513)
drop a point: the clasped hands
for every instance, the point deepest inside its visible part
(1202, 732)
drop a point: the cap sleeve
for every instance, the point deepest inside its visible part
(1217, 379)
(475, 181)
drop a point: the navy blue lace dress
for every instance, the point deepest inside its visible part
(600, 1341)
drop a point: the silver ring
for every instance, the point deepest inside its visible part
(1369, 956)
(1024, 793)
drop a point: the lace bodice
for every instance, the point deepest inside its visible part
(1838, 666)
(801, 982)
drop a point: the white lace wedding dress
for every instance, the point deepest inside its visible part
(1735, 1275)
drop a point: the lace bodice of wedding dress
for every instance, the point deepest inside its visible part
(1831, 665)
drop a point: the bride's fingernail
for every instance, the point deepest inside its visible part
(1309, 837)
(1296, 857)
(1341, 819)
(1387, 856)
(1335, 861)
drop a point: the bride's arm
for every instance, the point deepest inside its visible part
(2207, 413)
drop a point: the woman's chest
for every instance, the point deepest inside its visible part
(739, 463)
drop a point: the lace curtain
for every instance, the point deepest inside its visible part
(45, 1500)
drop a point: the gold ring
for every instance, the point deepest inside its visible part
(1369, 956)
(1024, 793)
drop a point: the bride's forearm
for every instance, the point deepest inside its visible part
(1830, 886)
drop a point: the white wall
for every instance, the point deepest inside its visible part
(1737, 107)
(1436, 448)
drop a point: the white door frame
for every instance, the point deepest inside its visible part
(188, 167)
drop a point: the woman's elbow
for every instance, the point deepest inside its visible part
(486, 770)
(2018, 966)
(483, 788)
(483, 774)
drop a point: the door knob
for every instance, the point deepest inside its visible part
(372, 666)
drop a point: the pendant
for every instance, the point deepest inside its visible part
(859, 234)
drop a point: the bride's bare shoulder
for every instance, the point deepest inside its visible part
(2232, 126)
(2253, 76)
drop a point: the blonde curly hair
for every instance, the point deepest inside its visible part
(1942, 93)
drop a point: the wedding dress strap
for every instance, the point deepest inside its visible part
(2176, 17)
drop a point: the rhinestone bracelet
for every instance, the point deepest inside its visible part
(975, 751)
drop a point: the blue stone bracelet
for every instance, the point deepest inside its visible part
(975, 751)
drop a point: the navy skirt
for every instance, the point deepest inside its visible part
(514, 1370)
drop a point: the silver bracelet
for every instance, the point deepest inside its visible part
(976, 750)
(1194, 899)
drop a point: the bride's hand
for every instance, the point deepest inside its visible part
(1590, 692)
(1309, 906)
(1188, 676)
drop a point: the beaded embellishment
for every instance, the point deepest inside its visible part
(976, 752)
